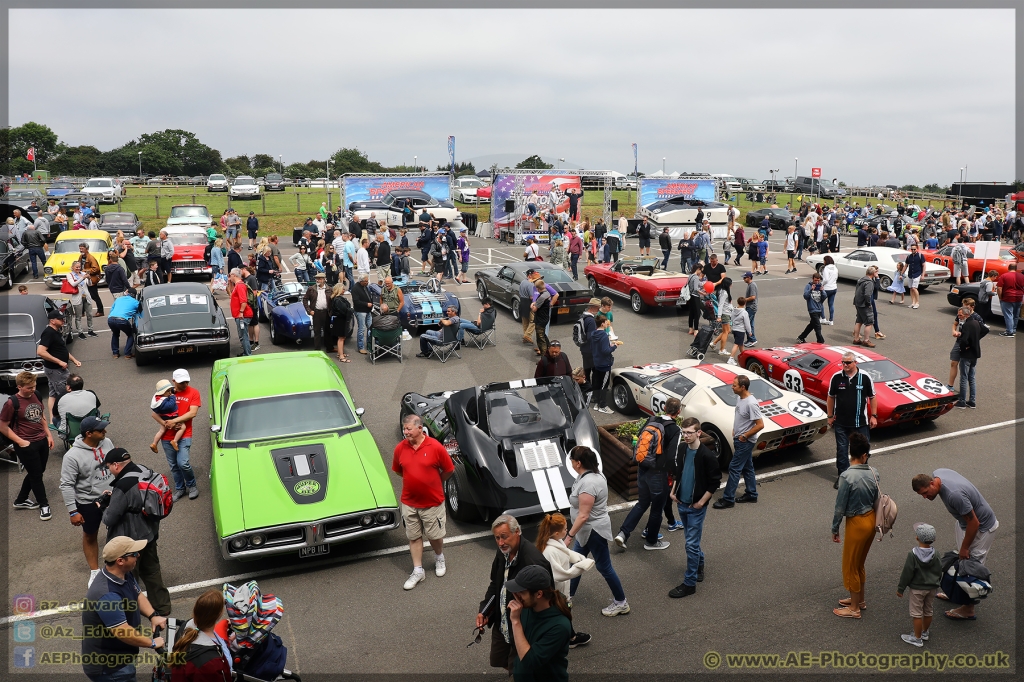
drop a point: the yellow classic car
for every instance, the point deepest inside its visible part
(66, 251)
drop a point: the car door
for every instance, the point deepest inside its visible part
(943, 257)
(854, 265)
(501, 286)
(806, 373)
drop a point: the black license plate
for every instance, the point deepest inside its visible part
(183, 350)
(315, 550)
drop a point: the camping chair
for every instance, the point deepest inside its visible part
(448, 345)
(385, 342)
(73, 426)
(486, 335)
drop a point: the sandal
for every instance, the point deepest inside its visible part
(953, 615)
(344, 360)
(846, 602)
(879, 335)
(845, 612)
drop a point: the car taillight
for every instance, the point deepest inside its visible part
(762, 445)
(823, 430)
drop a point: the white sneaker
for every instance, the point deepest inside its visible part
(924, 636)
(660, 544)
(724, 352)
(416, 577)
(604, 410)
(910, 639)
(439, 567)
(620, 540)
(732, 361)
(614, 609)
(92, 575)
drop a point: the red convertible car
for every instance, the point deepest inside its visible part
(903, 395)
(944, 257)
(640, 280)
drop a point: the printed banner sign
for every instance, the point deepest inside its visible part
(659, 189)
(551, 192)
(370, 188)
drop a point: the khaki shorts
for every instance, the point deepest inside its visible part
(429, 522)
(921, 602)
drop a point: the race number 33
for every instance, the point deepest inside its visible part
(792, 381)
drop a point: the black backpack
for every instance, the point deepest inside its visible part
(207, 252)
(579, 332)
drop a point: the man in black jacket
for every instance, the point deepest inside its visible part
(362, 304)
(382, 257)
(512, 555)
(652, 481)
(123, 516)
(117, 279)
(970, 352)
(696, 474)
(665, 242)
(643, 232)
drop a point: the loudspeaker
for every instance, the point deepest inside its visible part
(510, 205)
(615, 205)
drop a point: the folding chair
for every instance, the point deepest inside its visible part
(74, 425)
(486, 335)
(385, 342)
(448, 345)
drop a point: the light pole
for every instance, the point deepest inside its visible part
(415, 164)
(280, 160)
(140, 166)
(663, 165)
(796, 165)
(560, 162)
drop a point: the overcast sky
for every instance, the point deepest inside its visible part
(870, 96)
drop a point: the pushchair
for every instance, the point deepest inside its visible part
(699, 348)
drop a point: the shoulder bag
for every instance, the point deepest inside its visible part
(885, 511)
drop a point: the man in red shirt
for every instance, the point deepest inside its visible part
(1010, 289)
(240, 310)
(27, 429)
(424, 465)
(189, 402)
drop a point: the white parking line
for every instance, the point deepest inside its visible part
(253, 575)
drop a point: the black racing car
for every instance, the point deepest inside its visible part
(778, 218)
(510, 443)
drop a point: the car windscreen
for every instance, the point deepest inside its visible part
(189, 239)
(189, 212)
(273, 177)
(98, 183)
(18, 325)
(177, 304)
(471, 183)
(71, 245)
(552, 275)
(21, 194)
(244, 181)
(761, 390)
(117, 219)
(217, 177)
(514, 413)
(883, 370)
(288, 415)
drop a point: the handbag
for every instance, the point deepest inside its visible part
(66, 287)
(885, 511)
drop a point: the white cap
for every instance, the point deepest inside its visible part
(181, 376)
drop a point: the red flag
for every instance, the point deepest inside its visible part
(31, 156)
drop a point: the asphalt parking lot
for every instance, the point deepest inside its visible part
(773, 574)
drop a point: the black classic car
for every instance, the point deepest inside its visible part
(23, 198)
(127, 223)
(180, 319)
(23, 319)
(501, 284)
(510, 443)
(390, 207)
(73, 200)
(13, 258)
(778, 218)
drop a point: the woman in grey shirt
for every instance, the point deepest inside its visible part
(858, 490)
(591, 529)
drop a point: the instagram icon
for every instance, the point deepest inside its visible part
(24, 603)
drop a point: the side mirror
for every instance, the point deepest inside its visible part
(360, 411)
(215, 428)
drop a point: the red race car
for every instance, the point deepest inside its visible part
(807, 368)
(641, 280)
(944, 257)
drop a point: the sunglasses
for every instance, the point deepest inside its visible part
(130, 554)
(479, 635)
(848, 362)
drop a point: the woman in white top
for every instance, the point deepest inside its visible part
(829, 284)
(565, 563)
(81, 306)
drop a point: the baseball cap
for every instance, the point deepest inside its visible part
(121, 545)
(748, 273)
(529, 579)
(116, 455)
(530, 271)
(181, 376)
(555, 343)
(925, 532)
(55, 315)
(163, 385)
(93, 424)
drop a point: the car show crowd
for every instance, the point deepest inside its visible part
(353, 277)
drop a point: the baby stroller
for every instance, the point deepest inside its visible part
(709, 311)
(259, 655)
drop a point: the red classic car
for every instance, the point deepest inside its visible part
(640, 280)
(903, 395)
(944, 257)
(189, 246)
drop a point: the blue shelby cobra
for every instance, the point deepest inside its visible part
(282, 307)
(422, 308)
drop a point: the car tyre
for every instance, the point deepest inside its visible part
(757, 368)
(622, 397)
(481, 289)
(885, 281)
(515, 309)
(719, 446)
(141, 359)
(820, 267)
(637, 303)
(275, 338)
(455, 498)
(595, 290)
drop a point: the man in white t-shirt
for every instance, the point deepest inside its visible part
(746, 424)
(791, 238)
(531, 253)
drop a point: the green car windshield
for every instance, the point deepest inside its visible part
(288, 415)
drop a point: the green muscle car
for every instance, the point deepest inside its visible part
(293, 467)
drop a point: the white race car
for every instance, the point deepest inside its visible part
(682, 210)
(706, 394)
(853, 265)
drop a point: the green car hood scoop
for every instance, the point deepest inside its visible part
(303, 471)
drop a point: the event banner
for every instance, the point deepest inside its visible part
(550, 189)
(371, 188)
(658, 189)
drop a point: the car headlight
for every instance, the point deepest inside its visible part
(237, 543)
(257, 540)
(47, 271)
(366, 520)
(383, 518)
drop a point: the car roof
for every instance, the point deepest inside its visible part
(28, 303)
(830, 353)
(252, 377)
(415, 193)
(175, 288)
(113, 215)
(71, 235)
(190, 206)
(183, 229)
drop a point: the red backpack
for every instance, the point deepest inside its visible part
(157, 495)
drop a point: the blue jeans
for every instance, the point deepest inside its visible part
(830, 296)
(598, 546)
(125, 674)
(428, 339)
(652, 488)
(349, 277)
(742, 464)
(242, 325)
(751, 314)
(664, 261)
(181, 468)
(363, 324)
(874, 314)
(1011, 313)
(843, 443)
(574, 258)
(470, 325)
(118, 325)
(301, 275)
(33, 253)
(967, 368)
(693, 525)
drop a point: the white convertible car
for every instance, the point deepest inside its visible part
(706, 394)
(244, 187)
(390, 207)
(854, 264)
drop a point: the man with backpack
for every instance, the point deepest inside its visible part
(582, 332)
(84, 479)
(655, 454)
(131, 513)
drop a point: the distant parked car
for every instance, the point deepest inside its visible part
(776, 186)
(104, 190)
(323, 183)
(274, 182)
(59, 189)
(217, 183)
(190, 214)
(73, 200)
(127, 223)
(197, 180)
(23, 198)
(13, 258)
(465, 190)
(244, 186)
